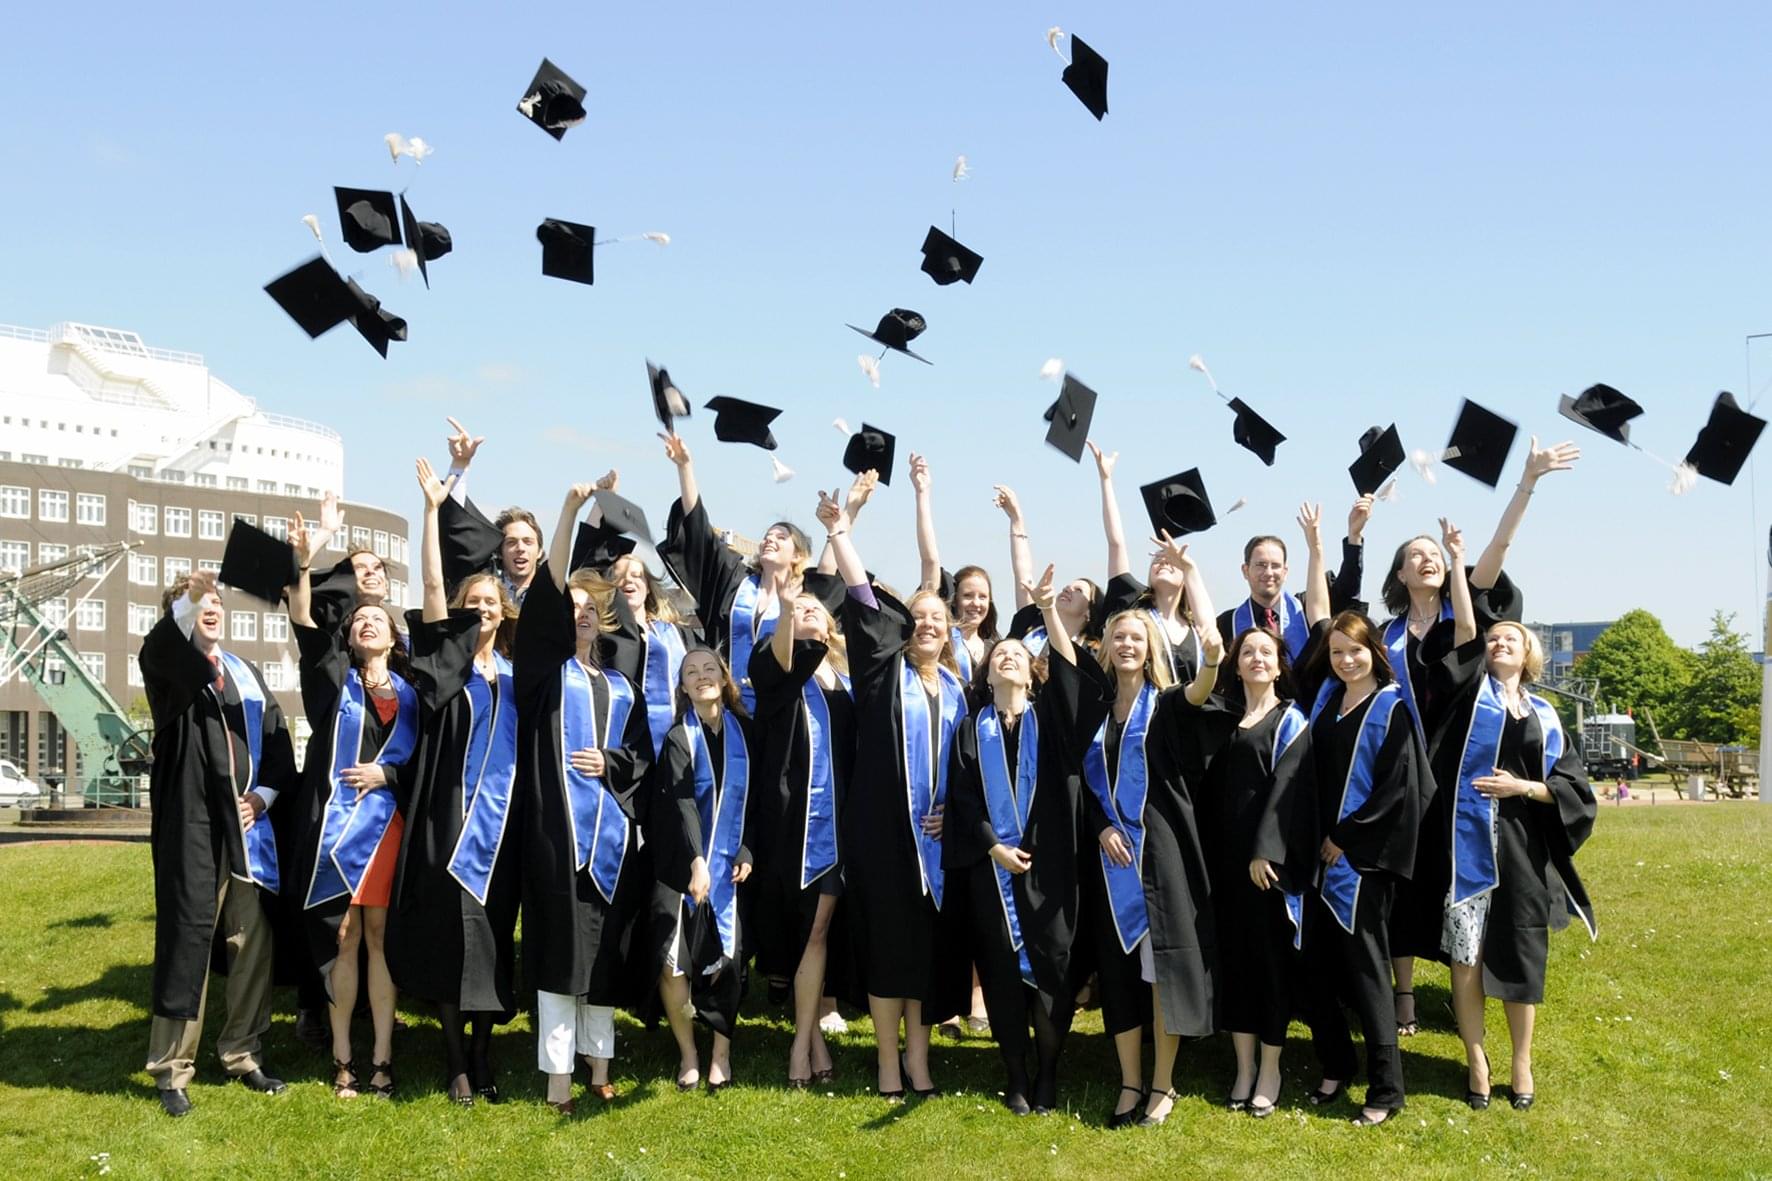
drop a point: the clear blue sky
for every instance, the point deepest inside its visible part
(1357, 214)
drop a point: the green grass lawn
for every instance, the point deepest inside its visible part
(1651, 1052)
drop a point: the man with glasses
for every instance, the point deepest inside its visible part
(1269, 606)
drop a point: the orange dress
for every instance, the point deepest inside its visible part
(378, 878)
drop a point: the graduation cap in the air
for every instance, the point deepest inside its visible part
(1254, 432)
(946, 261)
(1070, 415)
(566, 249)
(739, 421)
(1601, 408)
(367, 218)
(426, 239)
(377, 325)
(1479, 444)
(1178, 505)
(668, 402)
(598, 546)
(870, 448)
(1087, 76)
(622, 515)
(314, 295)
(1725, 441)
(257, 563)
(553, 102)
(1381, 453)
(896, 330)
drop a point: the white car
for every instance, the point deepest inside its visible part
(16, 790)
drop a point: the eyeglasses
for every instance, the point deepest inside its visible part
(1266, 567)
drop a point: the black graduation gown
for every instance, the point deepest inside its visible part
(1068, 708)
(905, 946)
(442, 945)
(1125, 592)
(574, 942)
(675, 836)
(469, 541)
(1177, 890)
(1539, 890)
(194, 832)
(1344, 591)
(780, 912)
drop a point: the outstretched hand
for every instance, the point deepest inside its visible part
(830, 513)
(1104, 463)
(920, 477)
(1357, 516)
(1558, 458)
(1310, 520)
(1173, 551)
(861, 490)
(1003, 496)
(676, 450)
(435, 491)
(1453, 537)
(462, 445)
(1041, 594)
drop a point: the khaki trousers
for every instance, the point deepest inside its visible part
(172, 1043)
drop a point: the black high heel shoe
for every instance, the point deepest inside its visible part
(1319, 1097)
(1125, 1119)
(1390, 1113)
(1236, 1104)
(1523, 1102)
(904, 1072)
(383, 1090)
(1478, 1100)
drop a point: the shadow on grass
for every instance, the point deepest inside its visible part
(100, 922)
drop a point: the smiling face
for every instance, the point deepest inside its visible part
(1265, 572)
(972, 600)
(210, 616)
(779, 550)
(1350, 659)
(519, 551)
(702, 679)
(929, 629)
(482, 596)
(1258, 661)
(1511, 652)
(1422, 567)
(372, 631)
(1010, 665)
(586, 622)
(372, 577)
(1129, 644)
(629, 577)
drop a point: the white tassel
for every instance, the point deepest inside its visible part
(399, 145)
(960, 168)
(1053, 369)
(659, 236)
(1198, 362)
(1053, 35)
(396, 144)
(1685, 479)
(842, 426)
(871, 367)
(1424, 465)
(1240, 502)
(313, 223)
(406, 262)
(527, 106)
(1389, 491)
(418, 149)
(783, 472)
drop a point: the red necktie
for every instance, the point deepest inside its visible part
(221, 682)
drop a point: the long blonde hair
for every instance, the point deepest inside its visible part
(1155, 671)
(946, 656)
(602, 593)
(1532, 650)
(658, 605)
(507, 608)
(836, 647)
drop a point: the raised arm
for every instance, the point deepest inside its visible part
(1316, 590)
(928, 554)
(1199, 606)
(560, 551)
(307, 540)
(436, 595)
(1559, 458)
(462, 449)
(836, 525)
(1042, 593)
(1021, 554)
(1119, 557)
(1464, 615)
(781, 640)
(677, 451)
(859, 493)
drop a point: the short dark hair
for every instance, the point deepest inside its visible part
(1264, 539)
(514, 515)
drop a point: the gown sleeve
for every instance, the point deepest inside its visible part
(1122, 592)
(876, 636)
(711, 570)
(468, 540)
(332, 596)
(546, 636)
(966, 832)
(623, 648)
(1074, 701)
(442, 654)
(627, 766)
(1344, 588)
(1307, 674)
(173, 670)
(323, 664)
(1285, 835)
(673, 823)
(1493, 604)
(1025, 620)
(1381, 833)
(778, 689)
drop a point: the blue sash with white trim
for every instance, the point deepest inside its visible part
(1396, 646)
(745, 631)
(260, 842)
(1474, 872)
(354, 822)
(661, 657)
(927, 786)
(1341, 882)
(599, 827)
(489, 768)
(1124, 801)
(962, 654)
(818, 848)
(1292, 724)
(1010, 802)
(1035, 640)
(1294, 631)
(721, 806)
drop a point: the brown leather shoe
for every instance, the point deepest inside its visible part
(565, 1107)
(603, 1091)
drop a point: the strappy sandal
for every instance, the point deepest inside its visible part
(1412, 1026)
(381, 1090)
(349, 1070)
(1147, 1120)
(1125, 1119)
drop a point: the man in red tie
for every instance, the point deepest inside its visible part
(221, 754)
(1271, 608)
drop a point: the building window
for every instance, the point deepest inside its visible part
(242, 625)
(249, 518)
(69, 463)
(55, 672)
(276, 627)
(397, 592)
(15, 501)
(277, 527)
(237, 484)
(89, 616)
(135, 672)
(14, 556)
(141, 471)
(144, 570)
(52, 505)
(203, 480)
(178, 522)
(49, 551)
(27, 457)
(89, 508)
(340, 542)
(380, 545)
(276, 675)
(211, 526)
(266, 485)
(144, 518)
(209, 565)
(142, 618)
(54, 611)
(175, 569)
(359, 537)
(95, 665)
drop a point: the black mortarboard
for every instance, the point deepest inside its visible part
(1601, 408)
(598, 546)
(426, 239)
(377, 325)
(314, 296)
(566, 249)
(553, 102)
(1179, 504)
(1381, 453)
(1725, 441)
(1087, 76)
(1254, 432)
(870, 448)
(897, 329)
(739, 421)
(368, 219)
(257, 563)
(668, 401)
(1479, 444)
(1070, 415)
(946, 261)
(623, 515)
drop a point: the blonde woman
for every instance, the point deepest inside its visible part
(1170, 600)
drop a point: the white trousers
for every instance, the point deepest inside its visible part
(568, 1027)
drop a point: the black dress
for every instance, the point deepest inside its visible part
(576, 941)
(906, 946)
(443, 943)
